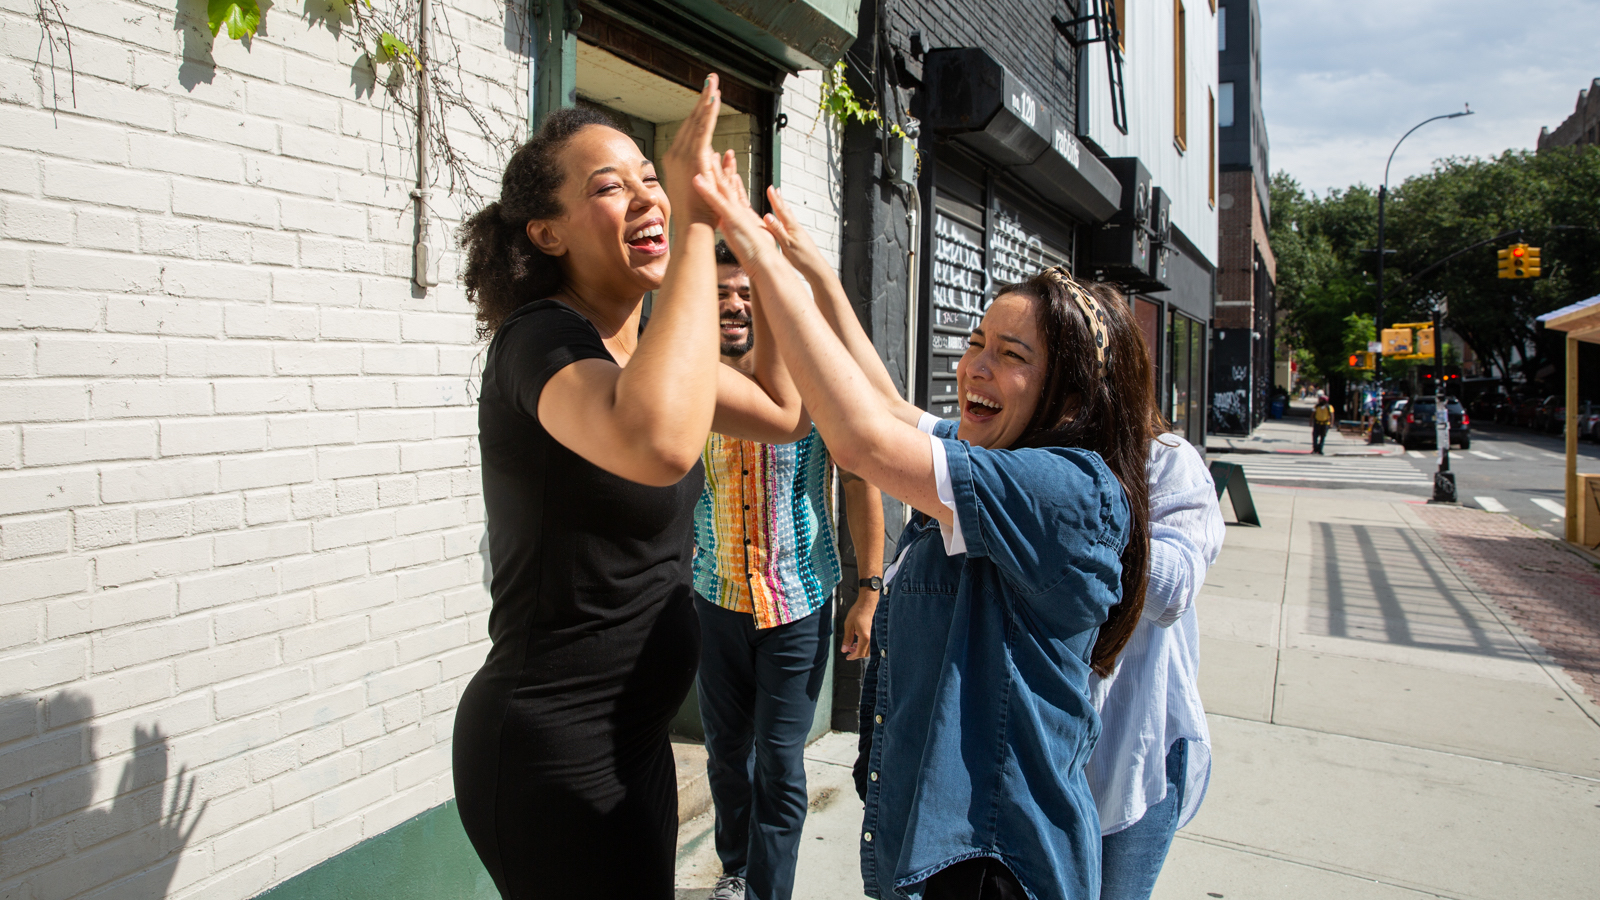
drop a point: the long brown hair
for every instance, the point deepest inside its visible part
(1107, 408)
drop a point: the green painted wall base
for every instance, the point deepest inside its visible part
(425, 858)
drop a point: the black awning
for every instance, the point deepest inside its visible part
(969, 97)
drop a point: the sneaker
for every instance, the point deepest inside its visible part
(729, 887)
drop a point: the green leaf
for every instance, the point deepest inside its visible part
(391, 48)
(243, 17)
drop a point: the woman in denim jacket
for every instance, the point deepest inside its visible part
(1024, 572)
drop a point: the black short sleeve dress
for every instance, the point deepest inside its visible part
(563, 771)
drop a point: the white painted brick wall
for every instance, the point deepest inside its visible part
(811, 172)
(240, 577)
(240, 567)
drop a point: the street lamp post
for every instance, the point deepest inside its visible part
(1383, 196)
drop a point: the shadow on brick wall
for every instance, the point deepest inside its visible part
(55, 839)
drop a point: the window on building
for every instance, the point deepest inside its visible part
(1211, 148)
(1180, 77)
(1222, 29)
(1225, 105)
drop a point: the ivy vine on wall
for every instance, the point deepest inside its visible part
(839, 103)
(386, 36)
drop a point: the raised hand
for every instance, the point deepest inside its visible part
(796, 243)
(724, 192)
(691, 155)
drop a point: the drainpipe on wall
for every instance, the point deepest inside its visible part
(425, 273)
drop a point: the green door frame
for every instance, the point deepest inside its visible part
(555, 58)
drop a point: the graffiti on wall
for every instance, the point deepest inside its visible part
(1229, 411)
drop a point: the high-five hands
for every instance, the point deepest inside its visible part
(795, 242)
(691, 156)
(724, 192)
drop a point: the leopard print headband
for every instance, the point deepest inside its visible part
(1091, 312)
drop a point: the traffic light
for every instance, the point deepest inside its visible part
(1360, 360)
(1519, 261)
(1424, 342)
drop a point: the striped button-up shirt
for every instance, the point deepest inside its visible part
(763, 529)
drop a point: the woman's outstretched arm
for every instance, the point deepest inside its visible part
(766, 409)
(849, 412)
(802, 252)
(647, 421)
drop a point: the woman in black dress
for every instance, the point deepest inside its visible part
(590, 432)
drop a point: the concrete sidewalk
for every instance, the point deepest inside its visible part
(1381, 729)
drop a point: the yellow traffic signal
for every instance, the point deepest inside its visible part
(1519, 261)
(1425, 342)
(1396, 341)
(1361, 359)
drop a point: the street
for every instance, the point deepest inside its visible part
(1508, 470)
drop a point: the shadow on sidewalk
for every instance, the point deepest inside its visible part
(1551, 592)
(1382, 584)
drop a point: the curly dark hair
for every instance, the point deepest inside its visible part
(1111, 412)
(504, 270)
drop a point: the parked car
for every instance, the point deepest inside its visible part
(1505, 410)
(1533, 411)
(1589, 421)
(1551, 416)
(1391, 421)
(1416, 427)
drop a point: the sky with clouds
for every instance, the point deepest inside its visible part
(1342, 80)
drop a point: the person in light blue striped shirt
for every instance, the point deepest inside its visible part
(1151, 766)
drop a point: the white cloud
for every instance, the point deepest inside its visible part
(1342, 81)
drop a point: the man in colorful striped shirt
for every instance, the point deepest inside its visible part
(765, 564)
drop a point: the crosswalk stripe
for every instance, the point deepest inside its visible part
(1482, 455)
(1491, 504)
(1550, 506)
(1416, 454)
(1387, 471)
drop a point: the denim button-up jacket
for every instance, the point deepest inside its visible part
(977, 687)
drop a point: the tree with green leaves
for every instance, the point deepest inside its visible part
(1326, 265)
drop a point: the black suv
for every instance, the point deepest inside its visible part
(1416, 425)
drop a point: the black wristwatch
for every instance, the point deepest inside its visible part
(875, 583)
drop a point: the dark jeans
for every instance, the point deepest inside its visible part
(1131, 858)
(758, 698)
(1319, 433)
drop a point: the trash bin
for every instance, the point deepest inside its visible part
(1277, 407)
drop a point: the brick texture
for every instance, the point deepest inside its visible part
(1548, 590)
(1242, 233)
(241, 540)
(240, 528)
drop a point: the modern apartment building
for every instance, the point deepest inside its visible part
(1244, 337)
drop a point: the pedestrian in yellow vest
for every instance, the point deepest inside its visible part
(1321, 419)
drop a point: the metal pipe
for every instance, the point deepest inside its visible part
(914, 214)
(422, 252)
